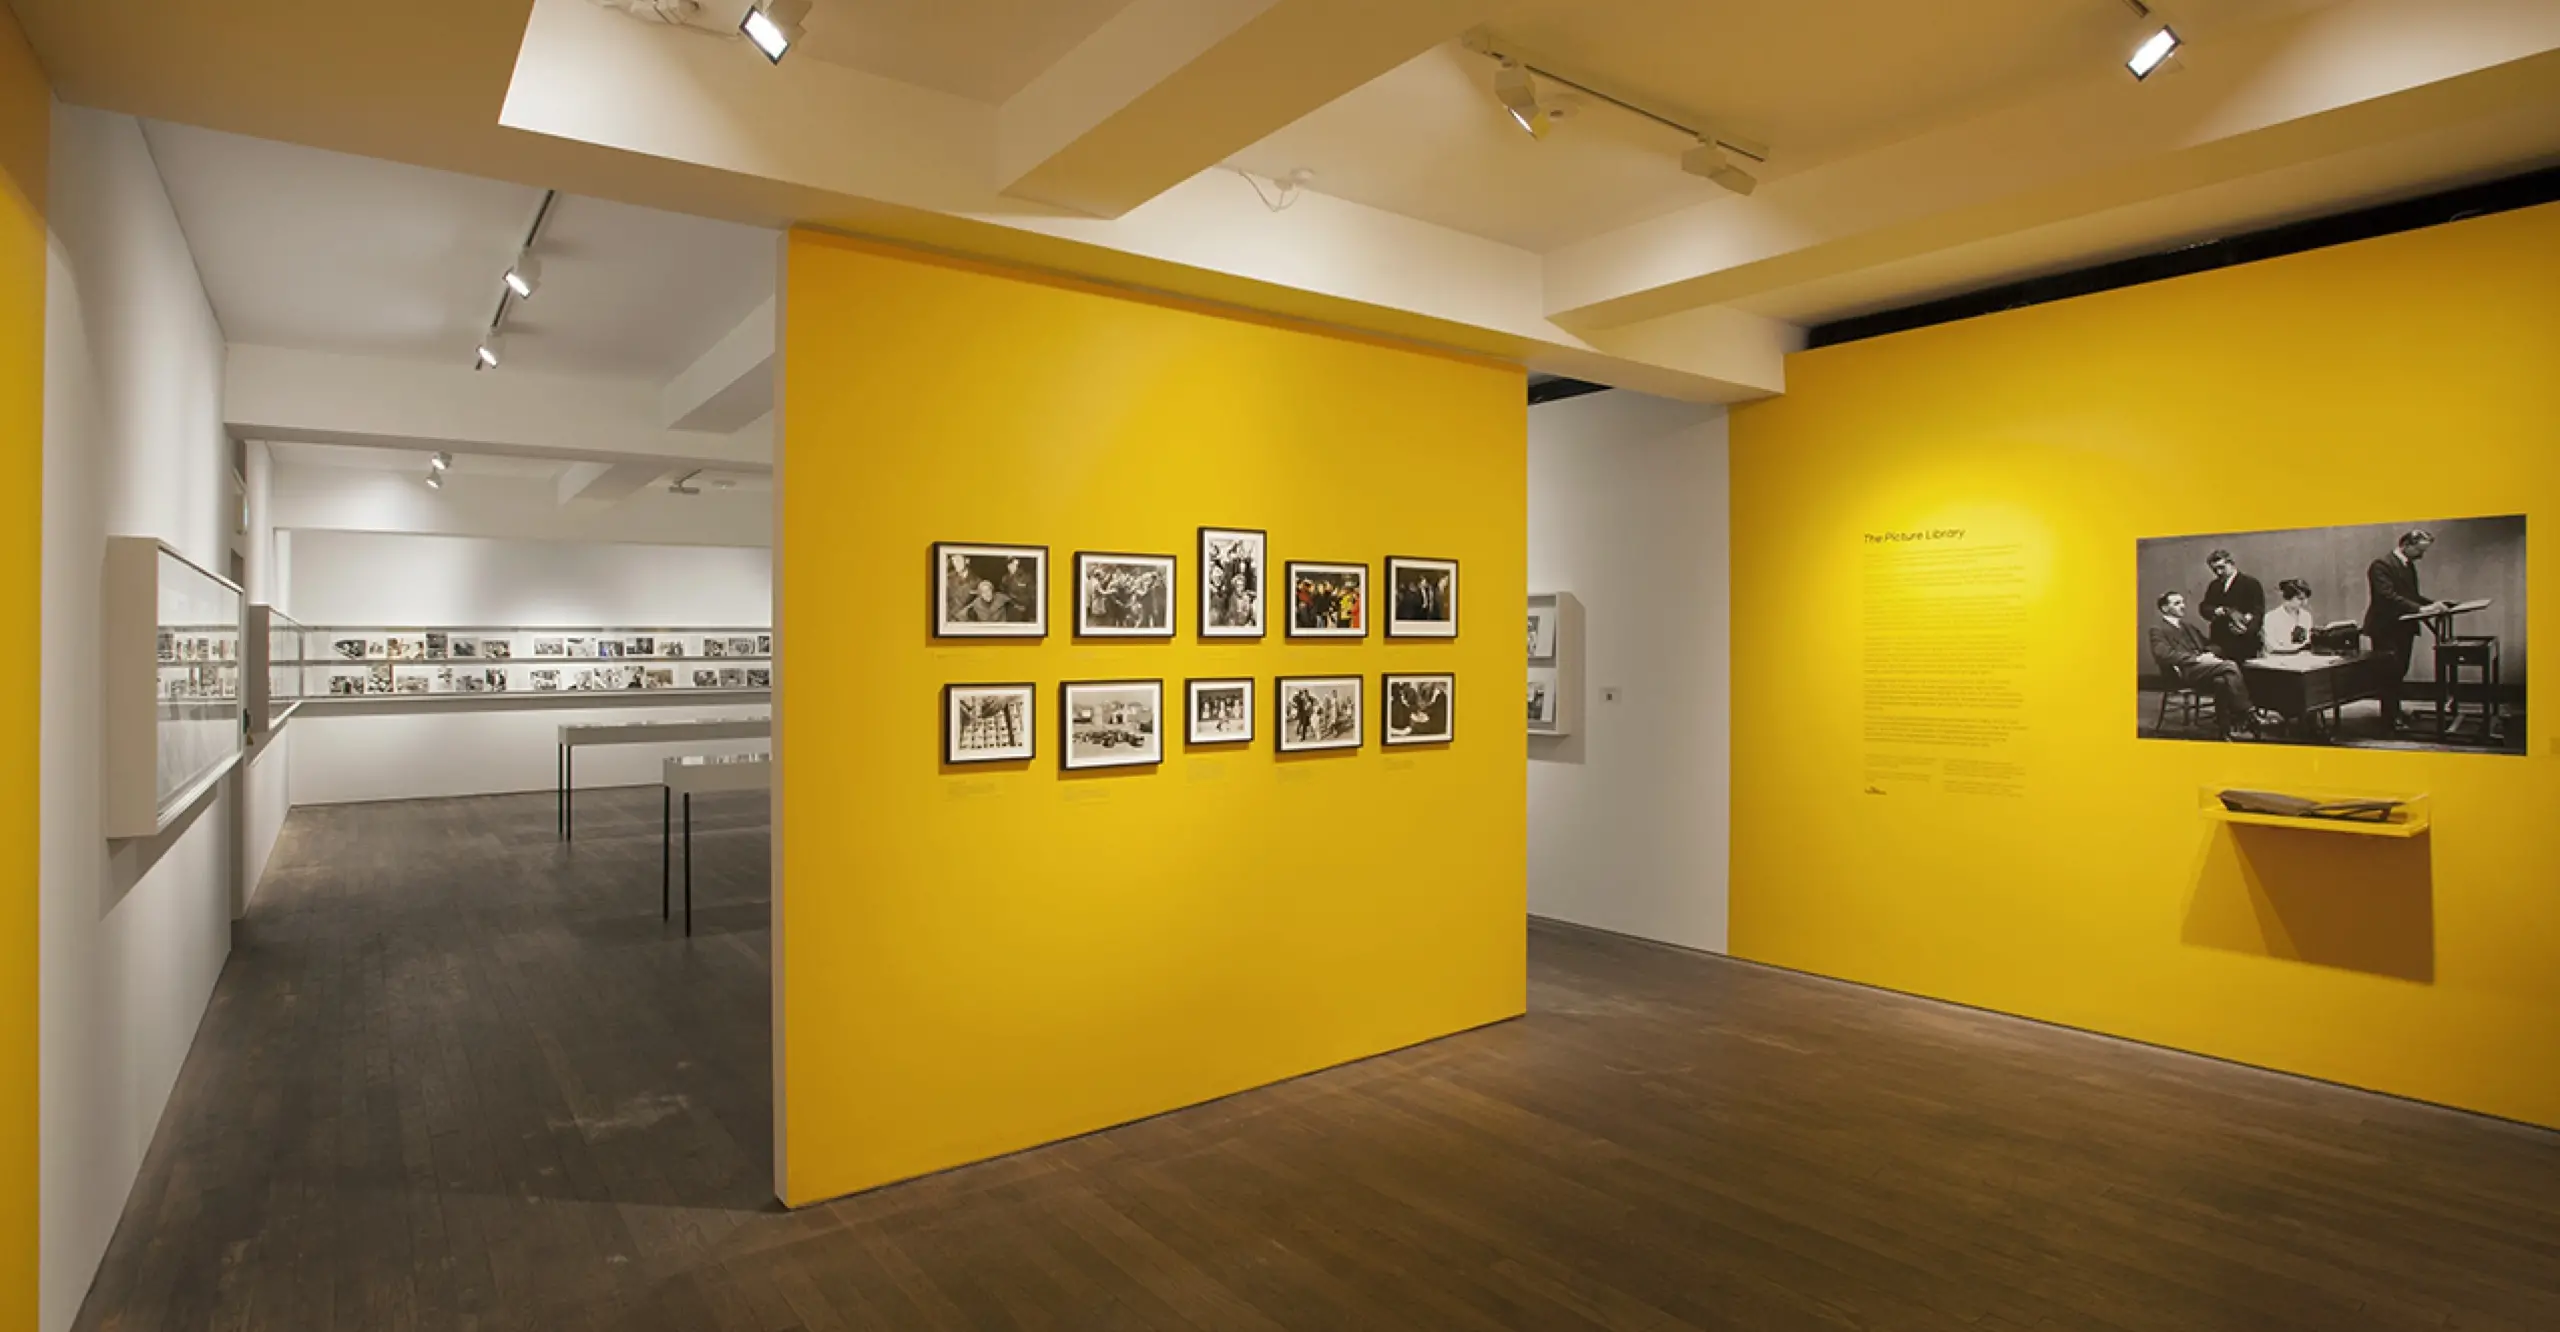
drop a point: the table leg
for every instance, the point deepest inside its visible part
(666, 844)
(688, 864)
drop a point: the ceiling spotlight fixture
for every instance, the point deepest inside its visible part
(524, 276)
(1517, 89)
(2154, 52)
(1725, 161)
(775, 26)
(435, 479)
(490, 346)
(439, 462)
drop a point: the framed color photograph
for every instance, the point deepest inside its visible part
(1328, 600)
(1220, 712)
(987, 591)
(1233, 568)
(987, 723)
(1123, 596)
(1319, 712)
(1422, 598)
(1421, 709)
(1111, 723)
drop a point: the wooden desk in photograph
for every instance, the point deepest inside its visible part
(2305, 685)
(640, 733)
(685, 776)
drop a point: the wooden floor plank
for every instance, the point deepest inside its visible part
(459, 1075)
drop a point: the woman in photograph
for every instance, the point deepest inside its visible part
(2289, 625)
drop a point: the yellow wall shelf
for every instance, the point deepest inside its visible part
(2409, 820)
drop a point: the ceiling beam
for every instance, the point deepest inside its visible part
(2244, 104)
(731, 384)
(1170, 88)
(321, 397)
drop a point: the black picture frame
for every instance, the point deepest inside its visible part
(937, 604)
(1172, 567)
(1368, 604)
(1281, 741)
(1191, 710)
(1399, 627)
(1141, 758)
(1030, 721)
(1448, 729)
(1206, 625)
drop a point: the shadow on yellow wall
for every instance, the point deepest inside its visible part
(2354, 903)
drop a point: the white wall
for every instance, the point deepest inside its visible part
(366, 500)
(398, 749)
(1627, 818)
(133, 934)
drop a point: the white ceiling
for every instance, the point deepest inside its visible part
(984, 50)
(322, 251)
(509, 467)
(1818, 82)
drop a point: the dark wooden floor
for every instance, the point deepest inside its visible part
(458, 1076)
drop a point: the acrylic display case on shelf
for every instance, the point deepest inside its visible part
(460, 664)
(273, 672)
(171, 671)
(1555, 663)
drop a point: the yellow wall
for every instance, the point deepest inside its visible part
(26, 110)
(977, 962)
(2411, 377)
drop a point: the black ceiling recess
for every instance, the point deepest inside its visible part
(1556, 388)
(2497, 196)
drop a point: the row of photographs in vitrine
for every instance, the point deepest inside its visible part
(998, 591)
(1120, 723)
(382, 677)
(198, 643)
(200, 682)
(502, 645)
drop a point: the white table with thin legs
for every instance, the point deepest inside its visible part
(685, 776)
(565, 770)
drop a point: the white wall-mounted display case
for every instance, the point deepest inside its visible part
(1555, 663)
(468, 662)
(170, 640)
(276, 643)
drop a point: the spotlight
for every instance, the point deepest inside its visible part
(524, 277)
(435, 480)
(2154, 51)
(1517, 90)
(490, 346)
(1722, 163)
(774, 25)
(440, 462)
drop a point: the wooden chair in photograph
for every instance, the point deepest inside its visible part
(2190, 705)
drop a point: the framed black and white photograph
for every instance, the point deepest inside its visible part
(1542, 633)
(1422, 598)
(987, 723)
(1319, 712)
(715, 647)
(1328, 600)
(2403, 635)
(742, 647)
(465, 646)
(1111, 723)
(1124, 596)
(1233, 570)
(1219, 712)
(1542, 698)
(759, 677)
(1421, 709)
(990, 591)
(495, 648)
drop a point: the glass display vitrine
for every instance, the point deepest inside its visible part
(467, 662)
(173, 683)
(273, 672)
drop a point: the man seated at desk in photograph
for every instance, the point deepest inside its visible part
(2290, 626)
(2234, 608)
(2393, 584)
(2188, 659)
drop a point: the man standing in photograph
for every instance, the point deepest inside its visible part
(2188, 659)
(2234, 609)
(2392, 583)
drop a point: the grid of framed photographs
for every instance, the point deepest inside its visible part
(477, 662)
(992, 590)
